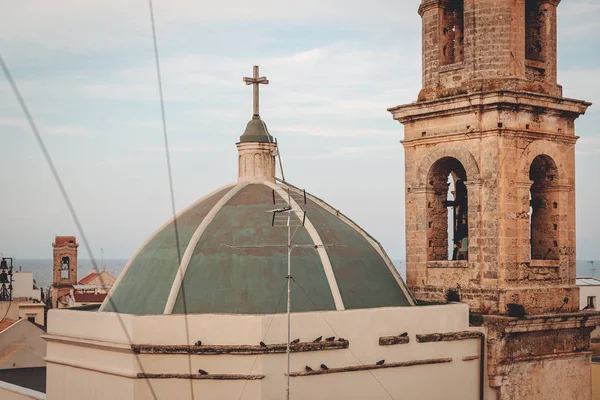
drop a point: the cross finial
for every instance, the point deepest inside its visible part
(256, 80)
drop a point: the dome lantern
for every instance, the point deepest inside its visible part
(256, 148)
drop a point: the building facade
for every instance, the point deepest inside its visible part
(490, 189)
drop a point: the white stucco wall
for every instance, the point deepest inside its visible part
(10, 309)
(35, 310)
(89, 355)
(23, 286)
(9, 391)
(585, 291)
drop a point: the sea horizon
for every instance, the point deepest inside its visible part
(42, 268)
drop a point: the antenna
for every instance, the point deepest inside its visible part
(288, 213)
(592, 269)
(277, 153)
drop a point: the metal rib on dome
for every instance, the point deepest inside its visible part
(355, 273)
(143, 286)
(250, 281)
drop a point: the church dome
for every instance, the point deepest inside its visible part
(230, 253)
(223, 273)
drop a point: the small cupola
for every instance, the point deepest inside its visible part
(256, 148)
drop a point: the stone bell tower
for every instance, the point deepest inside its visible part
(64, 267)
(490, 187)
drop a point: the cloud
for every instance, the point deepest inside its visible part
(184, 148)
(49, 129)
(356, 152)
(69, 131)
(328, 131)
(20, 123)
(580, 83)
(588, 145)
(97, 25)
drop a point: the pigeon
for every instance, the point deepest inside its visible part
(317, 340)
(295, 341)
(198, 343)
(202, 372)
(308, 369)
(405, 334)
(323, 366)
(380, 362)
(330, 339)
(262, 344)
(341, 339)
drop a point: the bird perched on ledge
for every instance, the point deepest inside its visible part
(380, 362)
(330, 339)
(308, 369)
(317, 340)
(295, 341)
(202, 372)
(324, 367)
(405, 334)
(262, 344)
(198, 343)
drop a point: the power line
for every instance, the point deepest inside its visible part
(336, 334)
(264, 337)
(170, 174)
(56, 176)
(6, 313)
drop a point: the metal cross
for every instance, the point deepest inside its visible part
(256, 80)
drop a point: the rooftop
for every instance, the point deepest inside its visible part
(588, 281)
(6, 323)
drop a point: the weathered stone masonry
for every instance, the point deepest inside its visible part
(491, 115)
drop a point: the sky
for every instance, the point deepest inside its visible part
(86, 70)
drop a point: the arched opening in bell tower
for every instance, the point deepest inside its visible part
(534, 30)
(544, 209)
(447, 211)
(453, 32)
(65, 268)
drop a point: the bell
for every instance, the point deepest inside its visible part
(3, 264)
(3, 277)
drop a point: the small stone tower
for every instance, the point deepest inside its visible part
(64, 267)
(490, 189)
(256, 153)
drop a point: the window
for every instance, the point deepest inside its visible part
(452, 40)
(31, 319)
(591, 303)
(534, 30)
(447, 212)
(544, 209)
(64, 268)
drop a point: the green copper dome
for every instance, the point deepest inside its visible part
(256, 131)
(223, 273)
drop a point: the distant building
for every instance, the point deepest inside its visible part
(589, 292)
(24, 287)
(66, 291)
(64, 271)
